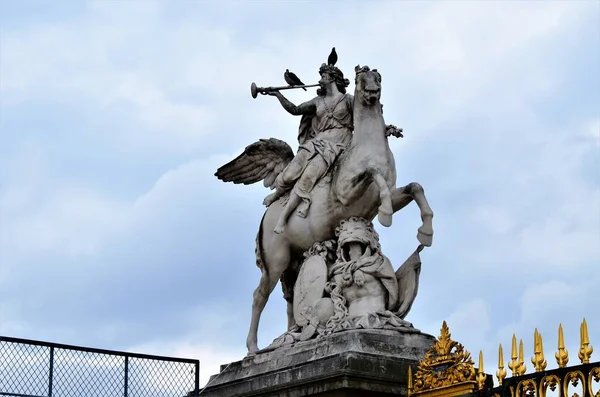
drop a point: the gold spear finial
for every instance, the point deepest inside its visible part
(513, 364)
(585, 350)
(536, 352)
(522, 367)
(538, 360)
(410, 381)
(543, 362)
(480, 374)
(501, 373)
(562, 355)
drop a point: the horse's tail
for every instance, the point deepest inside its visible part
(258, 250)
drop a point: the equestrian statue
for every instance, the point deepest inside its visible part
(342, 176)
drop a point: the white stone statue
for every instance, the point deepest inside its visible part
(347, 283)
(344, 168)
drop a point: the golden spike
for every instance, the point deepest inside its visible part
(587, 337)
(562, 355)
(514, 364)
(538, 360)
(536, 351)
(585, 350)
(480, 375)
(543, 362)
(480, 361)
(501, 373)
(522, 367)
(410, 381)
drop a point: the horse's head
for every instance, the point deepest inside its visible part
(368, 85)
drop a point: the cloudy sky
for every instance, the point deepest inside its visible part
(114, 115)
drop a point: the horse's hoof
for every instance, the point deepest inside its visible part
(385, 219)
(425, 239)
(252, 347)
(308, 332)
(252, 351)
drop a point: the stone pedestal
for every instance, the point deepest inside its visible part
(351, 363)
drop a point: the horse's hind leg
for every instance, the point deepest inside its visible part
(288, 281)
(275, 262)
(401, 197)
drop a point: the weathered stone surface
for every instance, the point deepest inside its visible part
(350, 363)
(309, 287)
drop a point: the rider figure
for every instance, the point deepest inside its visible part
(325, 131)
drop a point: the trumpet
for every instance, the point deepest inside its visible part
(255, 90)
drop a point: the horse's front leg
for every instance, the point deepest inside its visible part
(402, 196)
(386, 208)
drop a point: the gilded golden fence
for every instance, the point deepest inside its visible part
(448, 370)
(561, 379)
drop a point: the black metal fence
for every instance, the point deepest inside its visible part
(31, 368)
(576, 380)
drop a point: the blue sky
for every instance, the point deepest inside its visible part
(114, 115)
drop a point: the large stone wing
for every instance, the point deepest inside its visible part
(262, 160)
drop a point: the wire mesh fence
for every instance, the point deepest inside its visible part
(39, 369)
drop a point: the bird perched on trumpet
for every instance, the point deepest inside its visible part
(292, 79)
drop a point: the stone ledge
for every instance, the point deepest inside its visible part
(374, 362)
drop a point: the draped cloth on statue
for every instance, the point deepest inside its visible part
(344, 275)
(325, 133)
(375, 265)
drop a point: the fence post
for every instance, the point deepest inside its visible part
(51, 371)
(126, 375)
(197, 379)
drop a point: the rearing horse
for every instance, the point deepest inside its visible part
(362, 184)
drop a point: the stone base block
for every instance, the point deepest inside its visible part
(351, 363)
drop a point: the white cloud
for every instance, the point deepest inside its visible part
(541, 306)
(545, 305)
(507, 187)
(592, 131)
(72, 220)
(41, 217)
(557, 242)
(470, 322)
(543, 210)
(10, 324)
(452, 62)
(497, 220)
(158, 113)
